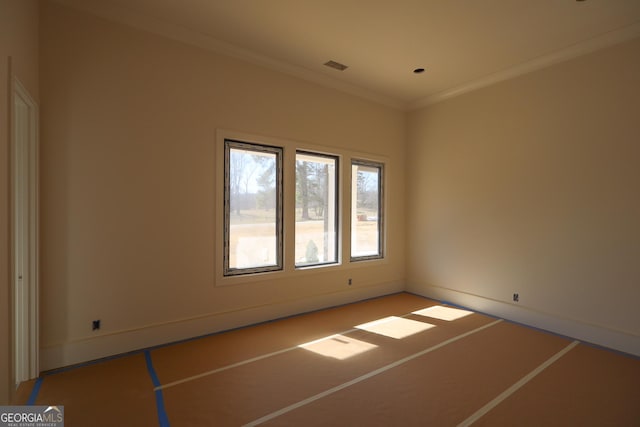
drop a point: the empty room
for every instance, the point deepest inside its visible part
(305, 212)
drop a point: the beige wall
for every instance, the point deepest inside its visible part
(128, 180)
(18, 40)
(533, 186)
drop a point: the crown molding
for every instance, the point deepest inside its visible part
(134, 19)
(582, 48)
(137, 20)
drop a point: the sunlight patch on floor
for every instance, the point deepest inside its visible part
(395, 327)
(338, 346)
(443, 313)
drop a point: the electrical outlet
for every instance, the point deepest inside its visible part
(95, 325)
(516, 297)
(350, 281)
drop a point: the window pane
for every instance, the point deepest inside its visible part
(252, 208)
(316, 209)
(366, 214)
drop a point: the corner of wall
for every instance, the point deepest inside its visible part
(589, 333)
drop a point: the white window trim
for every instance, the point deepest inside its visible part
(289, 270)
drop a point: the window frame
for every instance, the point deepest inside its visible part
(230, 143)
(337, 211)
(381, 209)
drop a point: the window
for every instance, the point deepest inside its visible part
(316, 209)
(252, 208)
(366, 210)
(268, 225)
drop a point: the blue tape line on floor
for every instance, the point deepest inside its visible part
(162, 414)
(34, 393)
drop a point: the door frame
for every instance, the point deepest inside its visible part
(24, 161)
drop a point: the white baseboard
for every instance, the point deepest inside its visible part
(586, 332)
(101, 346)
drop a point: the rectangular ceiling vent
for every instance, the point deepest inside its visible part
(338, 66)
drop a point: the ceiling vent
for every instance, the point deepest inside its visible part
(338, 66)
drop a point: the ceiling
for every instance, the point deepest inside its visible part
(461, 44)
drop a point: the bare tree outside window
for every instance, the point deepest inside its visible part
(253, 240)
(253, 205)
(316, 209)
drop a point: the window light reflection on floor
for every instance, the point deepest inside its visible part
(443, 313)
(338, 346)
(395, 327)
